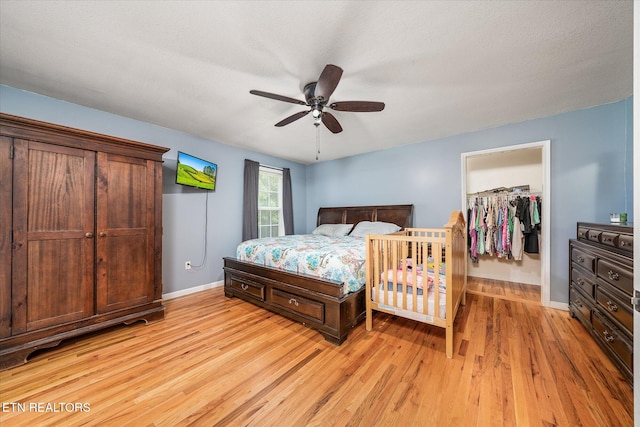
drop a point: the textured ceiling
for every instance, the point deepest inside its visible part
(442, 68)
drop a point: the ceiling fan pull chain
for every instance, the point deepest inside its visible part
(317, 141)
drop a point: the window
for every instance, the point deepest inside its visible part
(270, 221)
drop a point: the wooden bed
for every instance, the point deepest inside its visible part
(428, 258)
(318, 304)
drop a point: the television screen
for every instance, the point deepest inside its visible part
(196, 172)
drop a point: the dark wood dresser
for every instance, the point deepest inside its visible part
(601, 287)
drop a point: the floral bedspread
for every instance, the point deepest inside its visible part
(339, 259)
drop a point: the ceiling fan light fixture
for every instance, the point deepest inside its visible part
(317, 95)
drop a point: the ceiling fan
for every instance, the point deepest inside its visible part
(317, 96)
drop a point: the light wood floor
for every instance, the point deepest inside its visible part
(215, 361)
(517, 292)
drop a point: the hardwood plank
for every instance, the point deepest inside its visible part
(219, 361)
(520, 292)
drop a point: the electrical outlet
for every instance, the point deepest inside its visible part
(187, 265)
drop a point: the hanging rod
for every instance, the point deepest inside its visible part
(501, 190)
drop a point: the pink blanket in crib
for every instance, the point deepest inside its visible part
(397, 277)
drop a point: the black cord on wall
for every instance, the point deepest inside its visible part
(206, 229)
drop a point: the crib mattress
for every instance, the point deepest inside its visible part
(409, 312)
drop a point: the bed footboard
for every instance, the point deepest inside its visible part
(419, 274)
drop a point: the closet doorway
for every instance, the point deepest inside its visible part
(513, 166)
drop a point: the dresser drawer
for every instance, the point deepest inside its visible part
(594, 235)
(616, 307)
(584, 281)
(613, 338)
(580, 306)
(583, 259)
(620, 241)
(248, 287)
(582, 232)
(609, 239)
(617, 275)
(625, 242)
(297, 304)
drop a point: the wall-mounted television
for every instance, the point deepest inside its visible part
(196, 172)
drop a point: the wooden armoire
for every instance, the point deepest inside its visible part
(80, 234)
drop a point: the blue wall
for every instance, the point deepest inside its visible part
(591, 176)
(183, 207)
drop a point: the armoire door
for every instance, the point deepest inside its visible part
(53, 235)
(125, 227)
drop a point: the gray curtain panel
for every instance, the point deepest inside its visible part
(287, 201)
(250, 203)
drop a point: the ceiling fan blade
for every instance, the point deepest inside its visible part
(292, 118)
(331, 122)
(277, 97)
(328, 81)
(357, 106)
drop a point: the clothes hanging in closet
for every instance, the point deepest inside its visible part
(505, 226)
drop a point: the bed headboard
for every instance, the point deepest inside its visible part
(401, 215)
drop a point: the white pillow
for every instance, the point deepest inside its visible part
(333, 230)
(367, 227)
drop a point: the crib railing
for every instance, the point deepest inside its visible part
(415, 265)
(406, 263)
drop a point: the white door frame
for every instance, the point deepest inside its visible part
(636, 205)
(546, 210)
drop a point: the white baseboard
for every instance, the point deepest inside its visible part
(552, 304)
(195, 289)
(559, 305)
(493, 276)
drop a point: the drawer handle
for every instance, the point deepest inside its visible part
(612, 306)
(580, 258)
(578, 303)
(623, 243)
(580, 281)
(293, 301)
(244, 287)
(613, 275)
(607, 336)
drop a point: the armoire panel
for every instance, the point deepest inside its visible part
(57, 286)
(127, 257)
(6, 191)
(59, 188)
